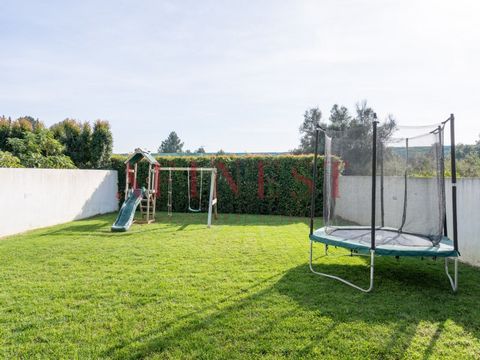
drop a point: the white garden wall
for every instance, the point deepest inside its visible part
(355, 203)
(33, 198)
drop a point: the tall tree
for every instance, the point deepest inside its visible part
(5, 128)
(102, 145)
(85, 143)
(339, 118)
(172, 144)
(311, 119)
(200, 150)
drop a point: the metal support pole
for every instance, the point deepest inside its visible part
(372, 270)
(454, 280)
(210, 200)
(314, 185)
(441, 163)
(454, 182)
(374, 180)
(382, 187)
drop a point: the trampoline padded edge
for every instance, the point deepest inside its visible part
(446, 250)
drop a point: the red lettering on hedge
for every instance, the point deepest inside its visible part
(260, 180)
(226, 174)
(303, 179)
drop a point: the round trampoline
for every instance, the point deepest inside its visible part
(387, 242)
(384, 193)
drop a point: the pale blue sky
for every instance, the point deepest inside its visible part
(237, 75)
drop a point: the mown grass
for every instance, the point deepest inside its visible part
(239, 290)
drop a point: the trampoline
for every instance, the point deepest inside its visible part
(384, 193)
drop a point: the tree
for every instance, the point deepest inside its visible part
(172, 144)
(339, 118)
(469, 166)
(5, 128)
(76, 137)
(200, 150)
(101, 145)
(39, 149)
(311, 120)
(85, 143)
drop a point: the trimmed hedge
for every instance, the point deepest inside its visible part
(276, 185)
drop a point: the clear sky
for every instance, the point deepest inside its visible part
(238, 75)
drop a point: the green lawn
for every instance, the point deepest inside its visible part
(241, 289)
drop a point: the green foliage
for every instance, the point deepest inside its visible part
(101, 145)
(172, 144)
(77, 139)
(39, 149)
(311, 120)
(469, 166)
(277, 185)
(5, 129)
(340, 118)
(9, 161)
(355, 133)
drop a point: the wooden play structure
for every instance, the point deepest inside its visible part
(149, 199)
(146, 197)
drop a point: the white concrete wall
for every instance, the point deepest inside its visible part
(33, 198)
(354, 204)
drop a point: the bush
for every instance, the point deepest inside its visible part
(283, 189)
(7, 160)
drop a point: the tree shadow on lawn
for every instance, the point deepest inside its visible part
(406, 295)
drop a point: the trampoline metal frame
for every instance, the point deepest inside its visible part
(452, 280)
(372, 269)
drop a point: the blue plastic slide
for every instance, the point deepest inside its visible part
(127, 211)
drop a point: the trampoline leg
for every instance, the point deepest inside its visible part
(454, 280)
(372, 268)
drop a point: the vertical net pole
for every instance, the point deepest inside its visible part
(382, 204)
(405, 187)
(454, 181)
(374, 180)
(314, 185)
(441, 175)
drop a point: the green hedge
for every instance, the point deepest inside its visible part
(286, 183)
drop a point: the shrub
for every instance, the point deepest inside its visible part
(277, 185)
(9, 161)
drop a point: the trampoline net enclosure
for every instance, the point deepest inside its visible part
(409, 191)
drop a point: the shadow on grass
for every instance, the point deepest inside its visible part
(100, 225)
(406, 295)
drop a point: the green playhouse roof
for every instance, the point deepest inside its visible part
(139, 155)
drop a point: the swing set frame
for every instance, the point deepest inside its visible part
(212, 200)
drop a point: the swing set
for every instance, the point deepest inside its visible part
(212, 200)
(146, 196)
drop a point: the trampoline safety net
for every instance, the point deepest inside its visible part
(410, 184)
